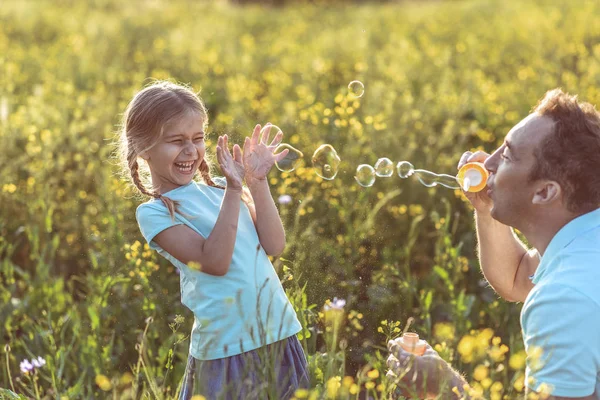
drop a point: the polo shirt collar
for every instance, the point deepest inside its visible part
(564, 236)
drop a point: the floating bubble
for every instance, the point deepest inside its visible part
(365, 175)
(292, 159)
(270, 131)
(356, 88)
(384, 167)
(431, 179)
(326, 161)
(404, 169)
(427, 178)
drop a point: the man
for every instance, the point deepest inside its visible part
(545, 182)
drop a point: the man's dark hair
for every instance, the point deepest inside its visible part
(570, 155)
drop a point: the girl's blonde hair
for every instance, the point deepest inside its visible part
(144, 121)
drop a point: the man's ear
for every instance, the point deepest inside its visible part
(547, 192)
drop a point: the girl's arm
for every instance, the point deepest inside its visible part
(268, 223)
(258, 161)
(215, 252)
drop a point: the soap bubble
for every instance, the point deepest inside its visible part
(356, 88)
(405, 169)
(427, 178)
(292, 159)
(326, 161)
(384, 167)
(269, 131)
(431, 179)
(365, 175)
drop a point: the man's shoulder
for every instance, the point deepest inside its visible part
(576, 266)
(555, 297)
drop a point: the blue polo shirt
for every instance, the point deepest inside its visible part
(560, 318)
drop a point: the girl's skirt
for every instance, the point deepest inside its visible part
(272, 372)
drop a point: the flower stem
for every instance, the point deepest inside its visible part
(7, 350)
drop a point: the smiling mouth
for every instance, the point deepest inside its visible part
(185, 167)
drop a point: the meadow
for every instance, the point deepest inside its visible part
(80, 288)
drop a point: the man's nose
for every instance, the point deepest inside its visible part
(491, 163)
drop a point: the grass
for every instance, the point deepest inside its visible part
(79, 289)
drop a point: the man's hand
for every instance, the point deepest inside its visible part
(424, 376)
(480, 200)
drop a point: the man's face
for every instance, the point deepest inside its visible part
(510, 166)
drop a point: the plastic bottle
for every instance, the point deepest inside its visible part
(410, 342)
(473, 177)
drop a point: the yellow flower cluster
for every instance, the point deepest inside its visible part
(477, 345)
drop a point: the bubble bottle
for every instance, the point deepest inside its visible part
(472, 177)
(411, 343)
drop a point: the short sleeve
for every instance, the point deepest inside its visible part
(561, 332)
(153, 219)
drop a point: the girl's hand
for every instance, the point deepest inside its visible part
(232, 166)
(258, 156)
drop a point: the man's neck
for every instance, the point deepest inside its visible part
(540, 230)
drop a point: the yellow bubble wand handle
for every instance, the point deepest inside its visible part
(472, 177)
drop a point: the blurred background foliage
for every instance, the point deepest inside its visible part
(440, 78)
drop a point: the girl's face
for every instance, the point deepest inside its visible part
(174, 160)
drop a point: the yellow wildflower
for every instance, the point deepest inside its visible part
(103, 382)
(332, 386)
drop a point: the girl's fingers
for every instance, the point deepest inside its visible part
(246, 144)
(281, 156)
(220, 155)
(237, 153)
(255, 134)
(267, 132)
(276, 140)
(226, 143)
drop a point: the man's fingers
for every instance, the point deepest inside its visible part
(464, 158)
(391, 375)
(392, 362)
(468, 156)
(478, 156)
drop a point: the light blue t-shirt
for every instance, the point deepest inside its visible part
(561, 314)
(241, 311)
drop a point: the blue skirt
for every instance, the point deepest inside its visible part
(273, 372)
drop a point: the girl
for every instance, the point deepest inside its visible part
(218, 233)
